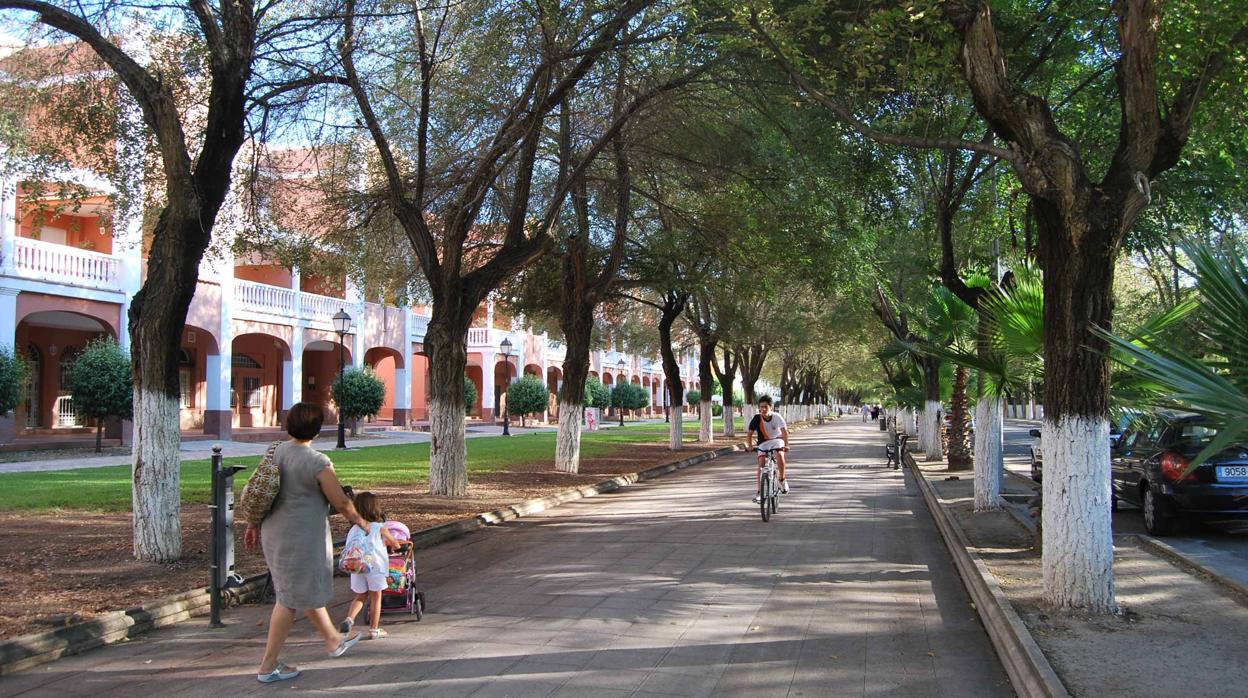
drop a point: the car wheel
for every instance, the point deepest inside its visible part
(1158, 518)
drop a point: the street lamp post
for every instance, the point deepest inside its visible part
(342, 325)
(621, 366)
(506, 347)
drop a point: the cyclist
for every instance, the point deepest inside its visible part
(773, 433)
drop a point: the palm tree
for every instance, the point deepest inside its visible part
(1214, 384)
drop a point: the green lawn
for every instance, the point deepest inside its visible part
(108, 489)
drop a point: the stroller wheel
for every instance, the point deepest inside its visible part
(418, 606)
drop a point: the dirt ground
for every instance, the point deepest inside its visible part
(58, 568)
(1178, 635)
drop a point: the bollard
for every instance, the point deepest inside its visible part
(221, 573)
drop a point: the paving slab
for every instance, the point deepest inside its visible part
(673, 587)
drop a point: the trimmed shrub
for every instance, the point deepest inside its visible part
(358, 393)
(693, 396)
(13, 375)
(526, 396)
(629, 396)
(596, 394)
(716, 409)
(470, 395)
(101, 384)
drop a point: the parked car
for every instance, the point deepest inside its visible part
(1149, 465)
(1037, 453)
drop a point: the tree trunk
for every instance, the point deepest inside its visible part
(989, 465)
(99, 436)
(577, 328)
(930, 426)
(1078, 550)
(157, 313)
(706, 380)
(448, 457)
(727, 379)
(959, 458)
(674, 304)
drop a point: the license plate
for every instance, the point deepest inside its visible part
(1233, 472)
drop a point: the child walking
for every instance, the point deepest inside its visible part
(368, 587)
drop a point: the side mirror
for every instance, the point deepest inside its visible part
(1035, 433)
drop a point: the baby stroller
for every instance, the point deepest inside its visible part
(401, 593)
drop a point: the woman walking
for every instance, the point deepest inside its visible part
(296, 541)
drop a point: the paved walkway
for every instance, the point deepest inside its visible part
(673, 587)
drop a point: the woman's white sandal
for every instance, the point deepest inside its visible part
(281, 673)
(345, 645)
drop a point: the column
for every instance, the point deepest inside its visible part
(218, 415)
(402, 376)
(292, 373)
(487, 386)
(355, 306)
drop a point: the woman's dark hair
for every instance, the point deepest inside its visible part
(304, 420)
(765, 398)
(369, 506)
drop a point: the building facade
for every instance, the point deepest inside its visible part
(259, 337)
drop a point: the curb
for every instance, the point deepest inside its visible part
(1187, 564)
(1029, 670)
(40, 648)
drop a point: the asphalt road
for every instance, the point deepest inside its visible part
(1221, 546)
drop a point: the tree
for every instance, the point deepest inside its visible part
(14, 373)
(451, 152)
(196, 149)
(470, 395)
(526, 396)
(629, 396)
(100, 384)
(694, 397)
(358, 393)
(596, 394)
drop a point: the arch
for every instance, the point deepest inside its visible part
(420, 383)
(533, 370)
(54, 336)
(195, 380)
(593, 374)
(473, 374)
(256, 374)
(504, 374)
(41, 309)
(607, 379)
(386, 363)
(34, 363)
(321, 359)
(554, 381)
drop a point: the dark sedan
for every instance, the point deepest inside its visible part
(1151, 469)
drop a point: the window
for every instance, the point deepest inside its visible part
(243, 361)
(250, 392)
(186, 389)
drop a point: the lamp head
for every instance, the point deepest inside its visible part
(342, 321)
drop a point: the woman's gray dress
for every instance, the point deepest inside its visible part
(295, 534)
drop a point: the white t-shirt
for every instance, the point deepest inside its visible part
(767, 429)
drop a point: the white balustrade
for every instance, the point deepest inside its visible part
(314, 307)
(478, 336)
(56, 263)
(263, 298)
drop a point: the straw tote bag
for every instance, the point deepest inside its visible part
(261, 489)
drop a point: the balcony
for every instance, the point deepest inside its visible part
(556, 351)
(287, 303)
(61, 264)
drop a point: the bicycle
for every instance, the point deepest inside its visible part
(768, 484)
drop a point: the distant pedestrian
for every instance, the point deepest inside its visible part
(875, 412)
(866, 412)
(296, 541)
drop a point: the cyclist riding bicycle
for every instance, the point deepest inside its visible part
(773, 434)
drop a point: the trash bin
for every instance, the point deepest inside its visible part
(883, 423)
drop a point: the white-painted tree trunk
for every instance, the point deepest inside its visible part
(448, 451)
(156, 473)
(989, 461)
(748, 413)
(676, 434)
(568, 440)
(1078, 551)
(730, 425)
(706, 430)
(907, 419)
(929, 431)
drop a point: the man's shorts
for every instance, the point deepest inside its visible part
(771, 444)
(361, 583)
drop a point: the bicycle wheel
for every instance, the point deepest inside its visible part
(775, 499)
(764, 492)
